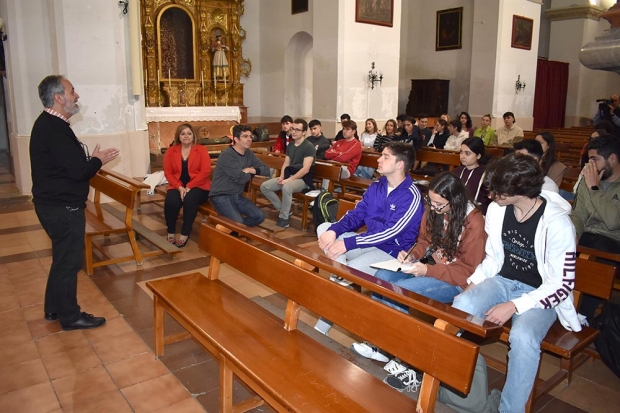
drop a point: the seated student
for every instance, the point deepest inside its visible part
(423, 131)
(388, 135)
(466, 124)
(235, 168)
(596, 211)
(508, 134)
(584, 151)
(528, 272)
(399, 123)
(296, 174)
(344, 117)
(391, 209)
(284, 137)
(187, 167)
(534, 148)
(457, 136)
(408, 135)
(347, 150)
(370, 133)
(553, 168)
(472, 172)
(320, 142)
(485, 131)
(440, 135)
(450, 246)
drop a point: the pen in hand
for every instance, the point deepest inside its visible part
(408, 254)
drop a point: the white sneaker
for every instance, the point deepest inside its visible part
(394, 367)
(405, 381)
(368, 351)
(340, 280)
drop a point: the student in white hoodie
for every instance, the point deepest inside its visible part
(528, 273)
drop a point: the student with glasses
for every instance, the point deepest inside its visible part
(296, 175)
(450, 246)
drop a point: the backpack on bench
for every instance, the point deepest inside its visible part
(325, 209)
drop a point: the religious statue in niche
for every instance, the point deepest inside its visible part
(220, 62)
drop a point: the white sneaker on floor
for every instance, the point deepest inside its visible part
(405, 381)
(368, 351)
(394, 367)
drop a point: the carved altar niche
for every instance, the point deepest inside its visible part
(192, 52)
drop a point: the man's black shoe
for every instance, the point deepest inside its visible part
(85, 322)
(51, 316)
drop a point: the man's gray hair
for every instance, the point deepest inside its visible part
(49, 87)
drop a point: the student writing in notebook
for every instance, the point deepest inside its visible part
(450, 246)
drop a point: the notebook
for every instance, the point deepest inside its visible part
(392, 265)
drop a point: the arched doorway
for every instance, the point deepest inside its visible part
(298, 76)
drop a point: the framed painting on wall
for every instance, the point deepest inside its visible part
(522, 29)
(299, 6)
(380, 12)
(449, 29)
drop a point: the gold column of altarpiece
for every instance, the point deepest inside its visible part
(180, 41)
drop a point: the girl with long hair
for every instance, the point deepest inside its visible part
(370, 133)
(553, 168)
(388, 135)
(472, 172)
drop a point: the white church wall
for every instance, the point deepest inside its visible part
(86, 40)
(421, 59)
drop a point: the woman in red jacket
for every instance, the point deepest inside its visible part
(187, 167)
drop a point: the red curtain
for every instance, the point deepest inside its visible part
(550, 94)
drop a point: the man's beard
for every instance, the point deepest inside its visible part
(72, 109)
(607, 171)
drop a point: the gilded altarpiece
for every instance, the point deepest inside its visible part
(192, 52)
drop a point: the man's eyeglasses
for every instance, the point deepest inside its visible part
(297, 130)
(434, 206)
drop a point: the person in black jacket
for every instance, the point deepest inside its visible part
(320, 142)
(61, 169)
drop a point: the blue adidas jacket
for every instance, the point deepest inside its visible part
(393, 221)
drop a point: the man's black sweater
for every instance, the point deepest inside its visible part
(60, 168)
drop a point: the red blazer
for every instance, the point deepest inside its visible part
(199, 167)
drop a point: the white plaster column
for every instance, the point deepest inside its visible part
(573, 24)
(496, 64)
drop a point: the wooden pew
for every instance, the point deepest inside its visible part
(273, 161)
(287, 369)
(307, 257)
(104, 220)
(591, 278)
(369, 159)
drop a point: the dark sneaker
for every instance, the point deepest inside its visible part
(405, 381)
(282, 223)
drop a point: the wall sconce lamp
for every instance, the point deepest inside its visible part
(124, 4)
(519, 86)
(374, 76)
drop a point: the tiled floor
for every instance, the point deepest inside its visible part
(113, 368)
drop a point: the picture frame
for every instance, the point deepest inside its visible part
(379, 12)
(449, 29)
(522, 31)
(299, 6)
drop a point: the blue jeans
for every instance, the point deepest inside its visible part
(235, 206)
(527, 332)
(427, 286)
(364, 172)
